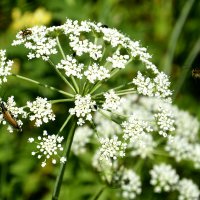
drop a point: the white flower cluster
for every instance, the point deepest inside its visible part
(130, 184)
(96, 73)
(14, 111)
(153, 87)
(83, 108)
(187, 126)
(112, 102)
(143, 146)
(106, 127)
(195, 155)
(81, 138)
(118, 60)
(134, 127)
(111, 149)
(188, 190)
(41, 45)
(40, 111)
(163, 178)
(165, 121)
(5, 66)
(179, 148)
(43, 42)
(48, 147)
(71, 67)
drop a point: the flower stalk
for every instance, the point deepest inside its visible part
(59, 178)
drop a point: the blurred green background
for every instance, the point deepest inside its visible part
(169, 29)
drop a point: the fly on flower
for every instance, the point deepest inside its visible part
(25, 32)
(9, 117)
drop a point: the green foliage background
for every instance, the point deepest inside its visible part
(151, 22)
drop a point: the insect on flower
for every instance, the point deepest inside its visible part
(25, 32)
(9, 117)
(196, 73)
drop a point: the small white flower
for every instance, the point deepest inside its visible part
(95, 51)
(41, 111)
(118, 60)
(78, 46)
(144, 85)
(163, 178)
(39, 44)
(179, 148)
(71, 67)
(106, 127)
(153, 87)
(112, 102)
(143, 146)
(165, 121)
(195, 155)
(63, 160)
(83, 108)
(111, 149)
(81, 138)
(188, 190)
(48, 147)
(130, 184)
(96, 72)
(31, 140)
(5, 66)
(186, 125)
(134, 127)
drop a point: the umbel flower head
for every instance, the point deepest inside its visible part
(93, 55)
(48, 147)
(40, 111)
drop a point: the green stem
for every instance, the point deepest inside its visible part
(122, 85)
(175, 35)
(61, 76)
(75, 84)
(63, 55)
(64, 124)
(98, 194)
(96, 87)
(60, 47)
(107, 116)
(160, 153)
(113, 72)
(59, 179)
(43, 85)
(127, 92)
(61, 100)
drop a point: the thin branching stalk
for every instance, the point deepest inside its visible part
(96, 87)
(127, 92)
(61, 76)
(64, 57)
(43, 85)
(61, 100)
(64, 124)
(59, 179)
(99, 193)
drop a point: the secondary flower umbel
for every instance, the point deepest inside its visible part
(48, 147)
(40, 111)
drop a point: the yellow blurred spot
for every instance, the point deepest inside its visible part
(28, 19)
